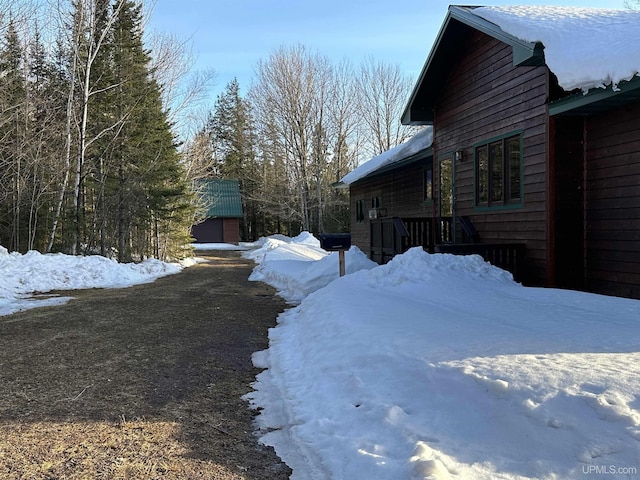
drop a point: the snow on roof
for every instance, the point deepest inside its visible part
(584, 47)
(420, 141)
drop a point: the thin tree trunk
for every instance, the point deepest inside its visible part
(67, 156)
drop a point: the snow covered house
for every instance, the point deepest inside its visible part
(223, 204)
(390, 194)
(535, 117)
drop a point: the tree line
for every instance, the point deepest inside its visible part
(303, 125)
(90, 162)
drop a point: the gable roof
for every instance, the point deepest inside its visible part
(458, 25)
(575, 43)
(416, 148)
(221, 198)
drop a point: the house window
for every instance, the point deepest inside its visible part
(375, 202)
(428, 182)
(360, 211)
(498, 166)
(446, 187)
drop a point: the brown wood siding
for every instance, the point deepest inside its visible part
(217, 230)
(231, 230)
(360, 235)
(487, 97)
(613, 202)
(401, 192)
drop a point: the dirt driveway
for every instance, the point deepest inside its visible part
(139, 383)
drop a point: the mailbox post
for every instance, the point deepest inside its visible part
(337, 242)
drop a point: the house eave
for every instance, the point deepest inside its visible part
(421, 155)
(597, 99)
(524, 53)
(458, 24)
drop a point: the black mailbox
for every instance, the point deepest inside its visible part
(333, 242)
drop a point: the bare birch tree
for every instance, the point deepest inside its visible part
(345, 144)
(95, 18)
(327, 118)
(88, 30)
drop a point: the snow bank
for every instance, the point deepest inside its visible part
(440, 366)
(298, 266)
(33, 272)
(277, 247)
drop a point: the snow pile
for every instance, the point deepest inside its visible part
(298, 266)
(584, 47)
(219, 246)
(304, 247)
(23, 275)
(420, 141)
(440, 366)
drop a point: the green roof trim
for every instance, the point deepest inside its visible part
(597, 99)
(221, 198)
(524, 53)
(459, 23)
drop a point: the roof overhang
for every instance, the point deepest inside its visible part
(458, 25)
(597, 99)
(416, 157)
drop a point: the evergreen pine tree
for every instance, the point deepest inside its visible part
(232, 132)
(105, 117)
(45, 124)
(13, 102)
(233, 144)
(149, 186)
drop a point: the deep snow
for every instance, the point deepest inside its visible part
(432, 366)
(440, 366)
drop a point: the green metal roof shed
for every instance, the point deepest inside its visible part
(222, 198)
(223, 204)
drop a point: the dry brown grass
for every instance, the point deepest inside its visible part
(139, 383)
(99, 450)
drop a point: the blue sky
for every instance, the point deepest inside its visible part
(230, 36)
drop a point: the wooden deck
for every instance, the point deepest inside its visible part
(391, 236)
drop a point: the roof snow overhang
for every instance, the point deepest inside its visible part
(597, 99)
(458, 25)
(416, 157)
(418, 147)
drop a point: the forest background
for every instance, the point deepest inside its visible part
(106, 133)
